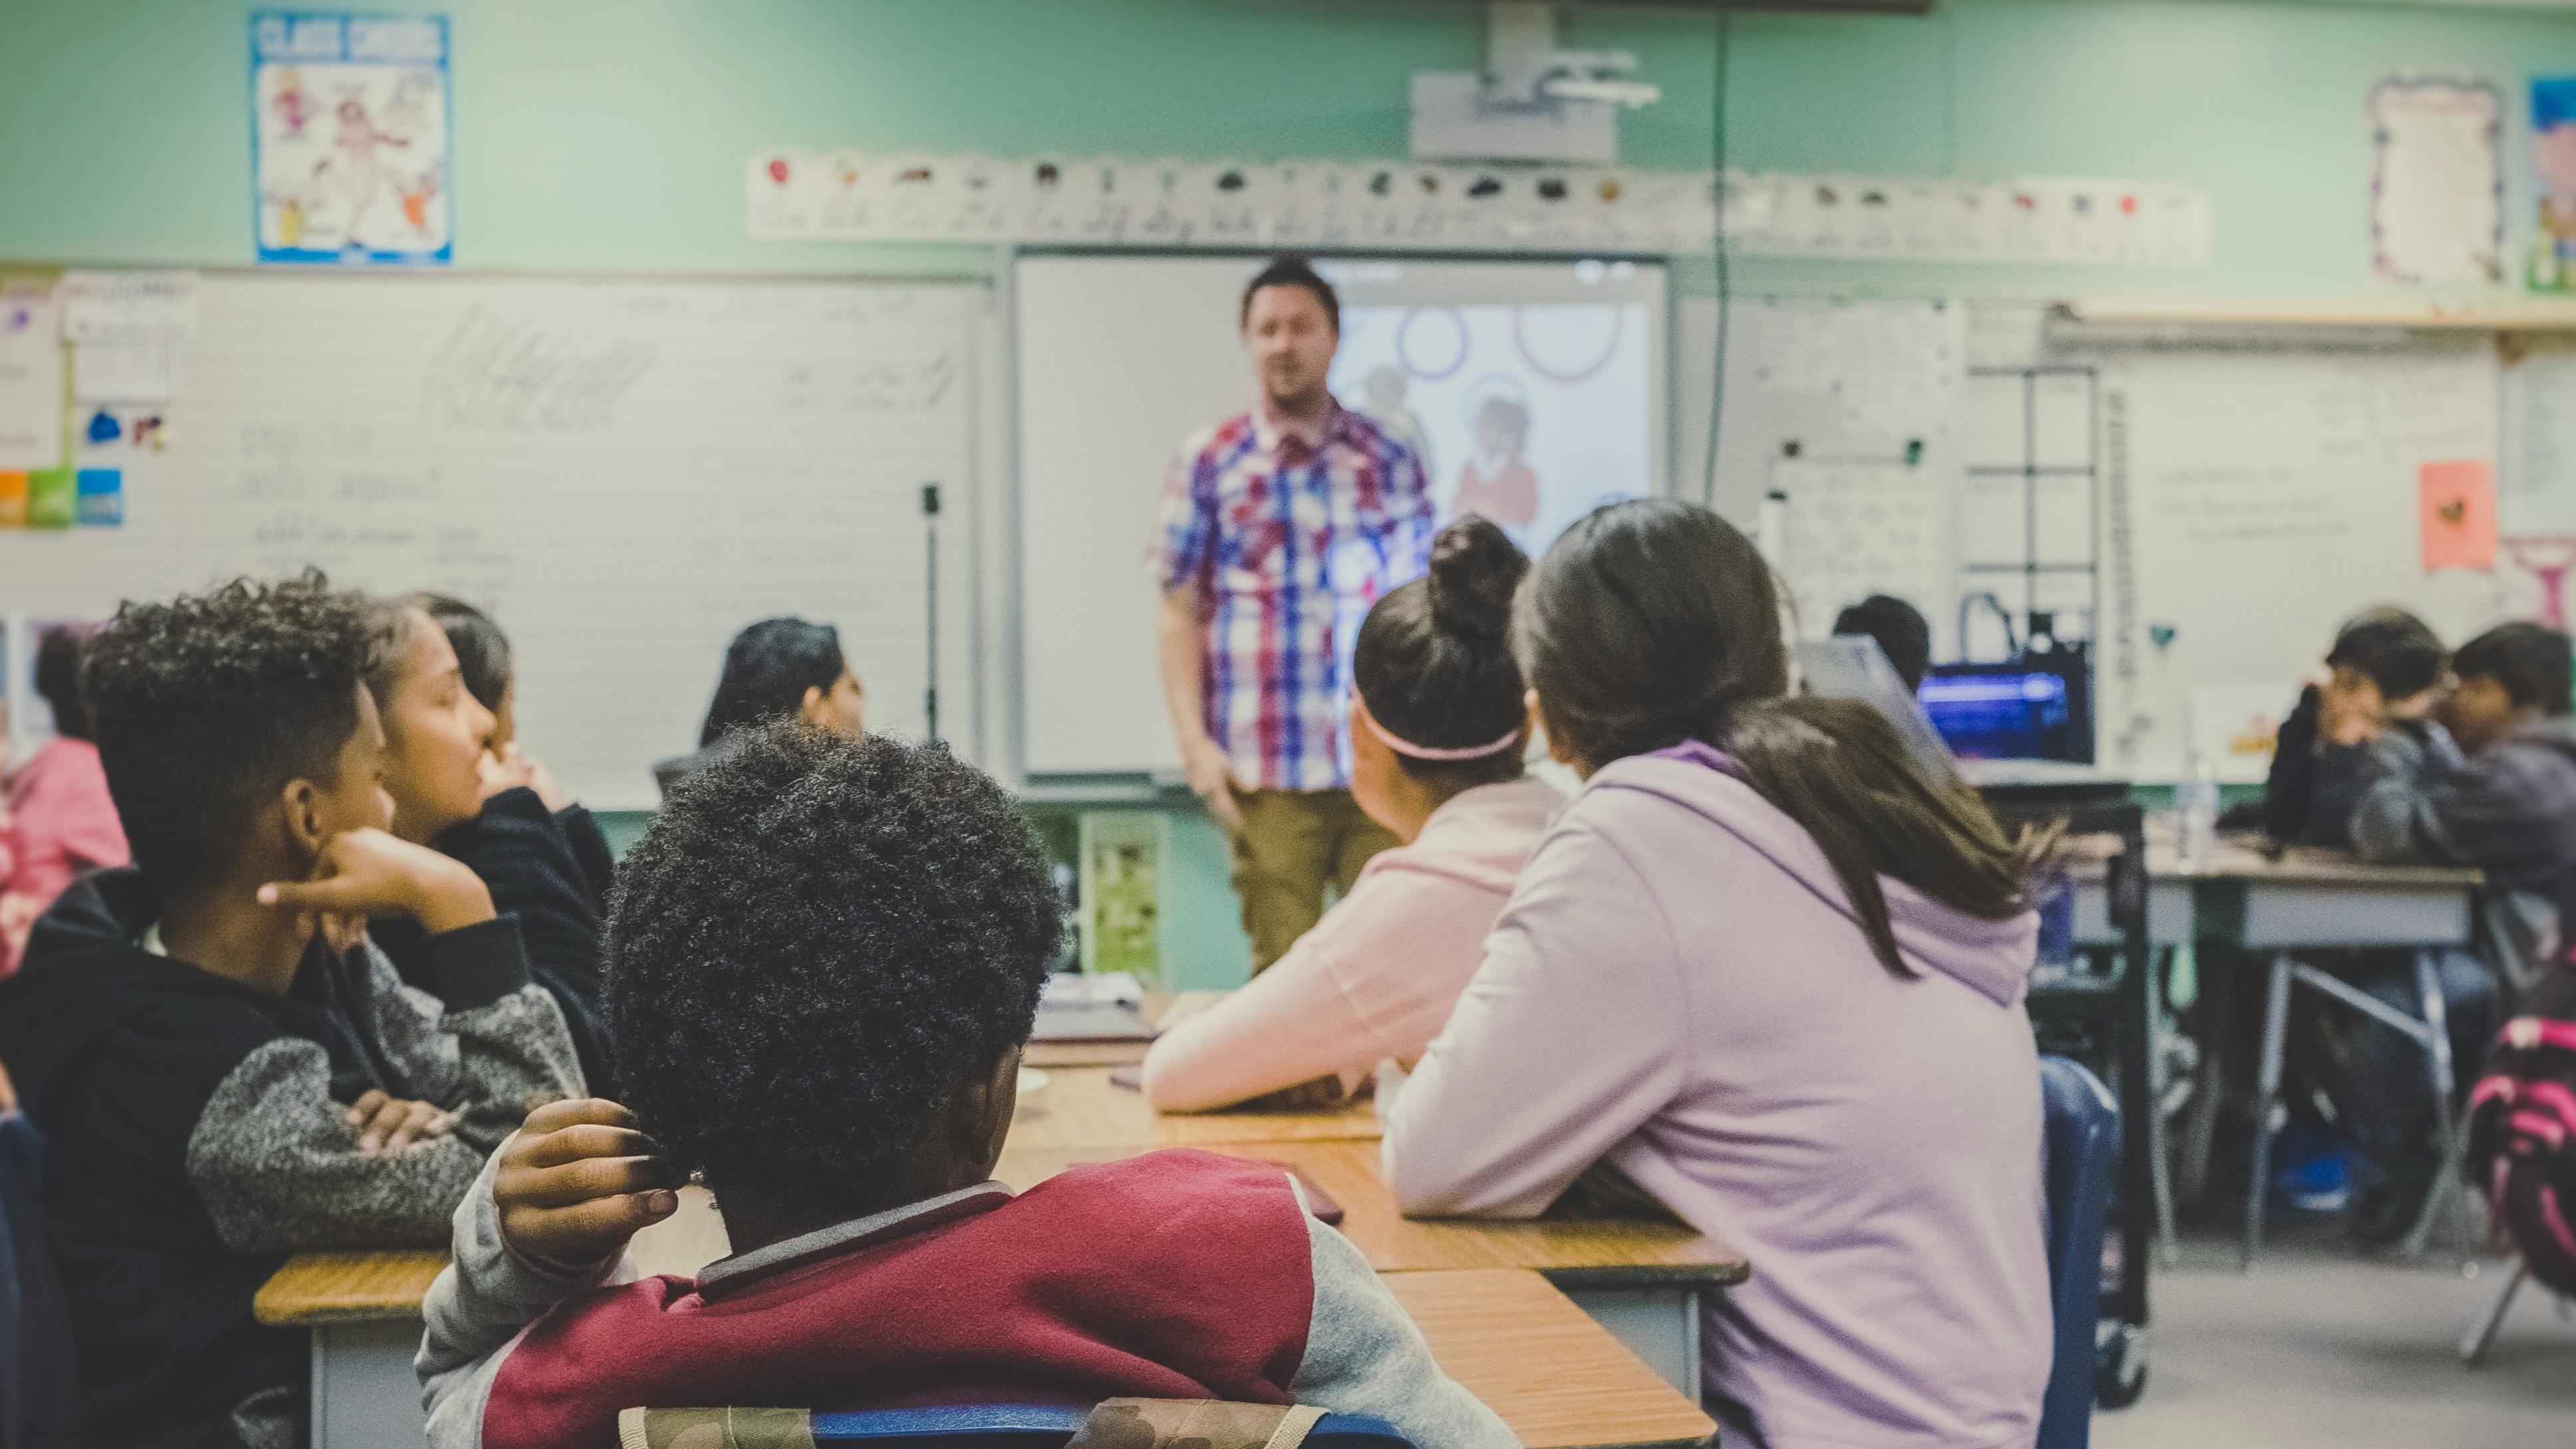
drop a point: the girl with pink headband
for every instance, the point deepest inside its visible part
(1439, 727)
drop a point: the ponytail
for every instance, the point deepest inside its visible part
(1652, 622)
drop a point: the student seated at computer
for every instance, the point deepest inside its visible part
(224, 1071)
(2381, 684)
(1772, 974)
(823, 960)
(1438, 728)
(776, 669)
(460, 785)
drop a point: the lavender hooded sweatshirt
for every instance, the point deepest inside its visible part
(1679, 985)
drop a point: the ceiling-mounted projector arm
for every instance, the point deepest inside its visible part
(1524, 67)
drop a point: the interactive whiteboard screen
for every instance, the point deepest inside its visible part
(1533, 389)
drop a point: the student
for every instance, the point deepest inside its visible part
(224, 1072)
(488, 664)
(2384, 667)
(1770, 974)
(1437, 731)
(60, 819)
(544, 864)
(2494, 787)
(774, 669)
(824, 958)
(1901, 631)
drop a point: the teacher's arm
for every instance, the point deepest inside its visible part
(1183, 631)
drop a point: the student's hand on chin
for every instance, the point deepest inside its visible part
(580, 1178)
(504, 769)
(368, 872)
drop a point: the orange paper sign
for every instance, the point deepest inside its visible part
(2459, 514)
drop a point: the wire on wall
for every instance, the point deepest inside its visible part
(1717, 156)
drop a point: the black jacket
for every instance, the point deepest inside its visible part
(552, 871)
(194, 1138)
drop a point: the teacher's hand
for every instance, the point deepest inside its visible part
(1212, 777)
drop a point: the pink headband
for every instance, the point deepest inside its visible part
(1411, 750)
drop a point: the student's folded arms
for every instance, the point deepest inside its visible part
(224, 1070)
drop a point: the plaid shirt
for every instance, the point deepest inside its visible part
(1288, 543)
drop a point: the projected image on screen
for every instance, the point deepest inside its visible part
(1529, 414)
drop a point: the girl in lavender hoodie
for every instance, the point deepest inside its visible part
(1773, 975)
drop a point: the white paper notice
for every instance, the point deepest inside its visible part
(31, 381)
(124, 372)
(1858, 528)
(2437, 188)
(128, 306)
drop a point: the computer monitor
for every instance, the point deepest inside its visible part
(2036, 708)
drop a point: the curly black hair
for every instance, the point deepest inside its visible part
(818, 940)
(204, 707)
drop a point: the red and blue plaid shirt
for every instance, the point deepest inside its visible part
(1288, 542)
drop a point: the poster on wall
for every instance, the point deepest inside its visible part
(2437, 182)
(349, 137)
(2553, 163)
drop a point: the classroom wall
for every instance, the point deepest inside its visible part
(610, 135)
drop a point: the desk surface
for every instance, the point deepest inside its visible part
(320, 1288)
(2240, 859)
(1555, 1376)
(1079, 1108)
(1571, 1251)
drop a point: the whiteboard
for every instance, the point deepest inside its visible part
(1121, 357)
(624, 472)
(2258, 496)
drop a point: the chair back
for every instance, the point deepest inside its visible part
(945, 1426)
(2083, 1162)
(36, 1403)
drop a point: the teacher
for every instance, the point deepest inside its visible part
(1280, 526)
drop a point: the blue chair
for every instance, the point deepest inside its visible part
(2083, 1162)
(35, 1356)
(1031, 1426)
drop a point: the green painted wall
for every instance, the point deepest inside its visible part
(610, 135)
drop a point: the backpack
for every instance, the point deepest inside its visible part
(2522, 1134)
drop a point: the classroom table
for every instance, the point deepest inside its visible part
(1081, 1107)
(1643, 1281)
(1637, 1283)
(2279, 904)
(1555, 1375)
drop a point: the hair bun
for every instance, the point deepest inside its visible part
(1475, 566)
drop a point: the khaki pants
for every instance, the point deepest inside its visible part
(1293, 844)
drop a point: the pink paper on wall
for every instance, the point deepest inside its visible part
(2458, 514)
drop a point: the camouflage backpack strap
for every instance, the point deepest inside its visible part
(1194, 1424)
(715, 1429)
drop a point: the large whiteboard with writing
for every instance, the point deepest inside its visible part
(625, 472)
(2256, 496)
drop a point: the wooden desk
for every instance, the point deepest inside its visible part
(1079, 1109)
(1643, 1281)
(1488, 1327)
(1557, 1377)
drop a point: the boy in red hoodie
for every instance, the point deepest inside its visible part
(822, 962)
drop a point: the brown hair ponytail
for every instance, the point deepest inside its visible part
(1653, 622)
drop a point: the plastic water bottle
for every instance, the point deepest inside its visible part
(2196, 801)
